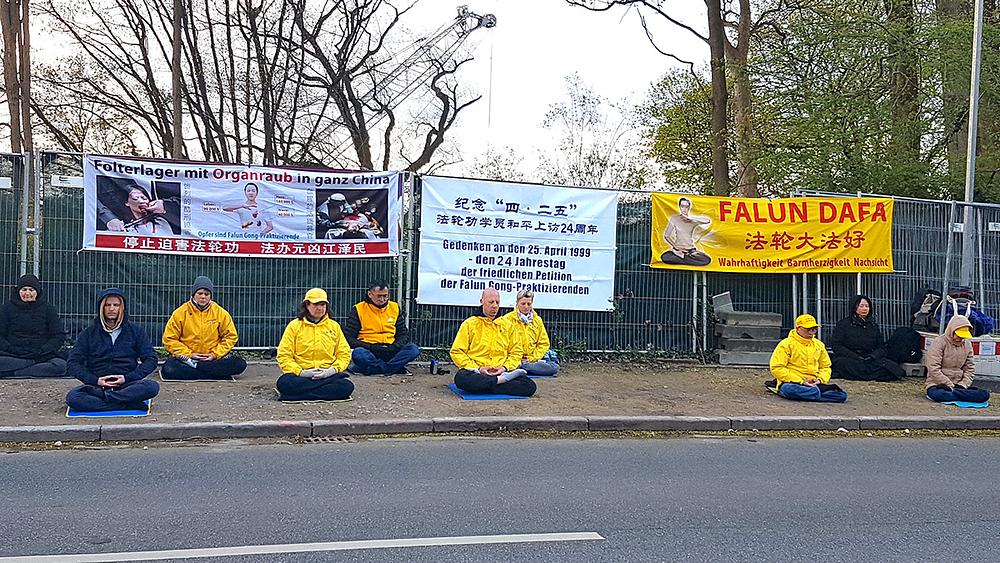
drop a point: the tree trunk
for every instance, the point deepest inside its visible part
(954, 93)
(746, 182)
(10, 19)
(904, 142)
(720, 99)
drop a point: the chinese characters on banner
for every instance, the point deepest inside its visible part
(793, 235)
(134, 205)
(558, 242)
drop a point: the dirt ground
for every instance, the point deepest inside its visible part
(667, 388)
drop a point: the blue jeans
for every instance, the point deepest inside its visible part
(822, 392)
(970, 395)
(540, 368)
(367, 363)
(91, 398)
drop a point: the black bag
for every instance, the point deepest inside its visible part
(923, 308)
(904, 346)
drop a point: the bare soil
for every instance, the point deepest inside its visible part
(633, 389)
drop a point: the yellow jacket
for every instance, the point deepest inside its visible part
(483, 342)
(797, 359)
(190, 331)
(533, 338)
(307, 345)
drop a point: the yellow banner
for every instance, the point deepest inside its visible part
(772, 236)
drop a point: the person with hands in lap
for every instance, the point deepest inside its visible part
(313, 355)
(801, 366)
(377, 332)
(112, 357)
(199, 336)
(951, 367)
(488, 353)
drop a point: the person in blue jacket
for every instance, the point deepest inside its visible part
(112, 357)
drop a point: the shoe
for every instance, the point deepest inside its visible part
(404, 373)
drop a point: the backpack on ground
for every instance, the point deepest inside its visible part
(923, 309)
(905, 346)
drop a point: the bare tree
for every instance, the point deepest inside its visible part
(17, 71)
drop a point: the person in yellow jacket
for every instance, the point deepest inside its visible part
(199, 337)
(536, 356)
(801, 366)
(313, 355)
(377, 333)
(488, 355)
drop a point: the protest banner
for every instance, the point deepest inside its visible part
(791, 235)
(136, 205)
(556, 241)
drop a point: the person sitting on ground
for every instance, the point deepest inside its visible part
(537, 358)
(313, 355)
(801, 366)
(951, 367)
(488, 354)
(859, 348)
(377, 332)
(31, 334)
(112, 357)
(199, 335)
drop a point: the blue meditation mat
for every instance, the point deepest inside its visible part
(309, 402)
(478, 396)
(72, 413)
(542, 376)
(229, 379)
(964, 404)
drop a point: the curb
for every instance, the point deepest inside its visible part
(275, 429)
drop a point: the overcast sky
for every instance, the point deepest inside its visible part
(535, 45)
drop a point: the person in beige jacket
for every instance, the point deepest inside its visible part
(950, 366)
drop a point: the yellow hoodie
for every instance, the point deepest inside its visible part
(484, 342)
(533, 338)
(797, 359)
(200, 332)
(306, 345)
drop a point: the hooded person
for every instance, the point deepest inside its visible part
(313, 355)
(951, 366)
(801, 366)
(199, 336)
(112, 357)
(377, 332)
(31, 333)
(859, 347)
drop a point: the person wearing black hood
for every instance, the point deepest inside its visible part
(31, 334)
(377, 332)
(112, 357)
(859, 348)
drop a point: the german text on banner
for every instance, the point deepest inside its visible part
(792, 235)
(234, 210)
(558, 242)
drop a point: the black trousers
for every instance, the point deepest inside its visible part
(475, 382)
(295, 388)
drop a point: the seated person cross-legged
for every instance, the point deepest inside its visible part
(377, 332)
(487, 355)
(527, 326)
(859, 348)
(112, 357)
(31, 334)
(313, 355)
(951, 367)
(199, 336)
(801, 366)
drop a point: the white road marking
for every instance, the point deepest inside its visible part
(302, 548)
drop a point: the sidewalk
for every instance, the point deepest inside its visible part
(585, 396)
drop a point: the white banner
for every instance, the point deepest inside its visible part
(558, 242)
(136, 205)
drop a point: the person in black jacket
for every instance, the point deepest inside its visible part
(31, 334)
(112, 357)
(859, 348)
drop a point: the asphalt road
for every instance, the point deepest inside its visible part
(686, 499)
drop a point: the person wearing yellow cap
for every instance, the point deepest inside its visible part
(313, 355)
(801, 366)
(950, 365)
